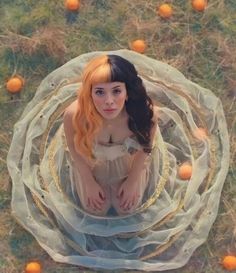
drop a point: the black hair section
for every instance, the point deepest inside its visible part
(139, 105)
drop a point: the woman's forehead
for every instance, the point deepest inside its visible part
(109, 85)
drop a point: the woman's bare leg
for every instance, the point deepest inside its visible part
(141, 184)
(80, 191)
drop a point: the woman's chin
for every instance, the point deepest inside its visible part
(110, 115)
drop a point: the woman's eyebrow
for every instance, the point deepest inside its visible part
(99, 88)
(102, 88)
(115, 86)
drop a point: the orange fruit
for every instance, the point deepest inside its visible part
(72, 5)
(165, 11)
(33, 267)
(138, 46)
(185, 171)
(229, 262)
(15, 84)
(199, 5)
(200, 133)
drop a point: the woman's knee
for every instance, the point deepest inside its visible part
(96, 211)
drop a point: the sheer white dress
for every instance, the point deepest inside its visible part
(173, 217)
(112, 167)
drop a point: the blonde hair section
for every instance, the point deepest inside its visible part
(87, 121)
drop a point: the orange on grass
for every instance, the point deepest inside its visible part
(199, 5)
(138, 46)
(33, 267)
(15, 84)
(72, 5)
(229, 262)
(200, 133)
(165, 11)
(185, 171)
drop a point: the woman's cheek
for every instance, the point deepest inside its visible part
(98, 103)
(121, 100)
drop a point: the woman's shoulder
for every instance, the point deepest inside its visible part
(68, 116)
(155, 113)
(71, 110)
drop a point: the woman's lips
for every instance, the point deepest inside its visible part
(109, 110)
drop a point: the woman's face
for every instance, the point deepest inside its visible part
(109, 98)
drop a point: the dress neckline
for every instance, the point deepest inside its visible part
(115, 143)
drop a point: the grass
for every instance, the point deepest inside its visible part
(38, 36)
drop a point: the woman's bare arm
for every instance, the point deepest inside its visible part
(129, 192)
(93, 192)
(78, 160)
(140, 156)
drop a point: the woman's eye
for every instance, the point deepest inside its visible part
(99, 92)
(116, 91)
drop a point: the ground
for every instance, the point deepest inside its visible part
(38, 36)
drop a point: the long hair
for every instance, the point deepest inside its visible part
(87, 121)
(139, 105)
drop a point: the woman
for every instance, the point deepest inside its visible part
(112, 107)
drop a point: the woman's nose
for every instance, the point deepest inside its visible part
(109, 99)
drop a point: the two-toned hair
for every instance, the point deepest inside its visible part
(87, 121)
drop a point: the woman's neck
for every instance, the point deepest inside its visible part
(122, 117)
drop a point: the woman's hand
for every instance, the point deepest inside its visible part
(129, 194)
(94, 195)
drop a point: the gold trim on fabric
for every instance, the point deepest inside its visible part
(42, 182)
(160, 249)
(212, 162)
(160, 184)
(155, 225)
(41, 207)
(52, 166)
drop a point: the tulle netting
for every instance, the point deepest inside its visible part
(175, 216)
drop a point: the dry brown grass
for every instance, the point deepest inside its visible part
(201, 45)
(48, 39)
